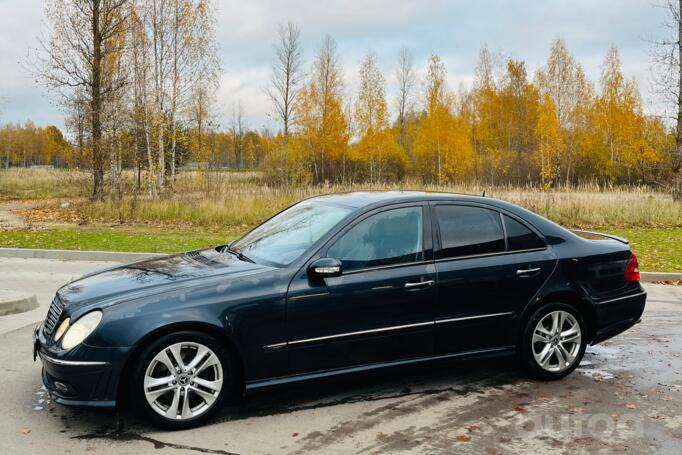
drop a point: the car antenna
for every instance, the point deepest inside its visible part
(483, 195)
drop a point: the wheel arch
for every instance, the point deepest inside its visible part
(569, 297)
(196, 326)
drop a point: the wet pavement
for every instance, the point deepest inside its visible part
(626, 397)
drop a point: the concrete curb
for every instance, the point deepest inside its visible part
(14, 302)
(660, 276)
(75, 255)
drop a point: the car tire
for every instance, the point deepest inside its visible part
(543, 348)
(161, 395)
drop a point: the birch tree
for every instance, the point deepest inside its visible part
(180, 58)
(73, 61)
(667, 52)
(405, 102)
(237, 128)
(564, 80)
(139, 55)
(287, 75)
(320, 113)
(377, 152)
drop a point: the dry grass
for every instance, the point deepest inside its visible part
(38, 184)
(240, 199)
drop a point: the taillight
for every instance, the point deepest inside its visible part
(632, 269)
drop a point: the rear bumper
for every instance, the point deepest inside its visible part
(616, 315)
(87, 378)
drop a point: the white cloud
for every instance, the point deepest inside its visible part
(244, 21)
(454, 29)
(245, 86)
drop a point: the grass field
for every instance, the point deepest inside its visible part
(656, 249)
(219, 200)
(148, 240)
(212, 208)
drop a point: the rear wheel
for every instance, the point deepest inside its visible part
(182, 379)
(554, 341)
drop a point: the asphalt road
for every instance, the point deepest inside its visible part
(626, 397)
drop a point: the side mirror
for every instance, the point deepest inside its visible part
(325, 267)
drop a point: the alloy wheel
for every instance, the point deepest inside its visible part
(183, 380)
(556, 341)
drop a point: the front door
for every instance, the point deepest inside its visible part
(490, 265)
(382, 306)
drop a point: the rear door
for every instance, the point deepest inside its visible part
(381, 308)
(489, 266)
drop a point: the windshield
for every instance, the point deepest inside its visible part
(285, 237)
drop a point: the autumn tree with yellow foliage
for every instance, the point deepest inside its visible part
(618, 117)
(376, 156)
(320, 147)
(551, 126)
(442, 149)
(550, 145)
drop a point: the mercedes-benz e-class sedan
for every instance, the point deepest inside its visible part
(333, 285)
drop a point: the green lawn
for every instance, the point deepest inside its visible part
(657, 249)
(150, 240)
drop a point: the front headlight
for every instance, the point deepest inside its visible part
(79, 330)
(63, 327)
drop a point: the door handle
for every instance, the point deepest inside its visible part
(527, 272)
(419, 285)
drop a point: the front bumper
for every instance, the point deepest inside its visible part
(84, 377)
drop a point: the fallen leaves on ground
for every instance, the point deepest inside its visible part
(51, 214)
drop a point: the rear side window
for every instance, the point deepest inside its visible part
(467, 231)
(520, 237)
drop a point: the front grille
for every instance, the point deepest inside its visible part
(53, 315)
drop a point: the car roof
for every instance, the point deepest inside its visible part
(362, 199)
(368, 200)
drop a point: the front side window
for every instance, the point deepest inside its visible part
(390, 237)
(467, 231)
(520, 237)
(286, 236)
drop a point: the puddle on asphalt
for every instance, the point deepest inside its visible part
(588, 369)
(41, 399)
(595, 361)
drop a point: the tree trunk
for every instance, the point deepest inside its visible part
(677, 182)
(174, 100)
(96, 105)
(150, 161)
(172, 157)
(161, 171)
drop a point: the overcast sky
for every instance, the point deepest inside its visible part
(454, 29)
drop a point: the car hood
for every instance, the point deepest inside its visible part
(150, 276)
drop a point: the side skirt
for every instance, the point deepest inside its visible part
(483, 353)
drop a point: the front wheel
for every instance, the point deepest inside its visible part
(554, 341)
(182, 379)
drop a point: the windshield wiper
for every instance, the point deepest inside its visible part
(241, 256)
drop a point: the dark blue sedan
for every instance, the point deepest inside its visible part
(333, 285)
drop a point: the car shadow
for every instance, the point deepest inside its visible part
(461, 378)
